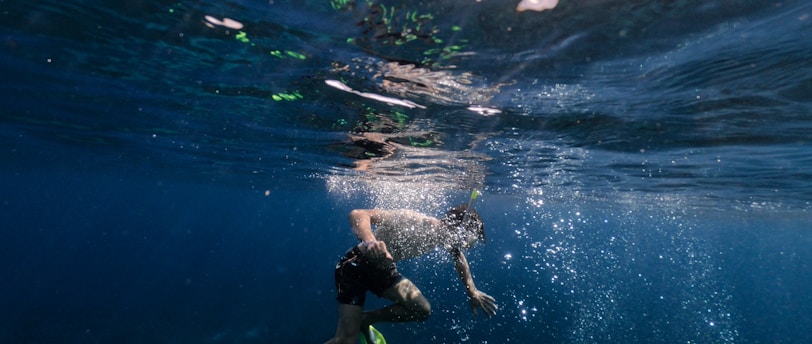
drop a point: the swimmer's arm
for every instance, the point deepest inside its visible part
(476, 298)
(461, 265)
(361, 221)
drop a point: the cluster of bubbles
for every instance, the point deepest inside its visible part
(421, 193)
(618, 272)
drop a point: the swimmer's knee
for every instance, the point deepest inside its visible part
(423, 311)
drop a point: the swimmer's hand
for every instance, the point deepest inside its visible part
(376, 249)
(480, 300)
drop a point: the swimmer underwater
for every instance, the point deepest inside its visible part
(370, 266)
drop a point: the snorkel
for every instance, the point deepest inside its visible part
(474, 195)
(466, 234)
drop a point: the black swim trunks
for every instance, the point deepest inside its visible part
(355, 274)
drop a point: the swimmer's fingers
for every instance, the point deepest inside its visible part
(484, 301)
(489, 305)
(384, 251)
(378, 249)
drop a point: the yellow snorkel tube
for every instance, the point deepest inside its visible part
(474, 195)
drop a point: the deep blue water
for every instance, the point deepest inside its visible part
(647, 178)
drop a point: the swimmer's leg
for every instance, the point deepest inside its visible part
(349, 321)
(409, 305)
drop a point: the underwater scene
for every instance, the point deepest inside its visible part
(183, 171)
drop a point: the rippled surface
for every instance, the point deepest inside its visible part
(646, 100)
(614, 140)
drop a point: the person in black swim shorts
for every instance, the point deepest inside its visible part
(370, 265)
(355, 274)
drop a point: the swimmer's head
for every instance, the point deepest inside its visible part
(469, 232)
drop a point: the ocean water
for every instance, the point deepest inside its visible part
(181, 171)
